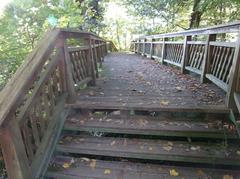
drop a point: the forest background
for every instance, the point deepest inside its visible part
(23, 22)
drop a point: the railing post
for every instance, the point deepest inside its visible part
(13, 150)
(151, 48)
(234, 75)
(95, 59)
(138, 47)
(91, 60)
(144, 47)
(207, 57)
(164, 49)
(68, 72)
(185, 53)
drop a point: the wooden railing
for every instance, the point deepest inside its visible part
(206, 51)
(32, 109)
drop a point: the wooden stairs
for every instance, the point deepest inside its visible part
(138, 144)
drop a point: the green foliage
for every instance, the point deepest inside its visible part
(24, 21)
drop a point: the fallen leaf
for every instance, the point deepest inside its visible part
(91, 93)
(178, 88)
(66, 165)
(164, 102)
(85, 159)
(200, 172)
(113, 143)
(238, 152)
(167, 148)
(93, 164)
(149, 83)
(150, 148)
(107, 171)
(227, 177)
(195, 148)
(173, 172)
(68, 138)
(170, 143)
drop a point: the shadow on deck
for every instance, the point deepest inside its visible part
(132, 81)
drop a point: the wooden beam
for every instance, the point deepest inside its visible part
(91, 60)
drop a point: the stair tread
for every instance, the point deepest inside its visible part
(211, 153)
(150, 125)
(83, 168)
(128, 103)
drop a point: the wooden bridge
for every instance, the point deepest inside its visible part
(77, 108)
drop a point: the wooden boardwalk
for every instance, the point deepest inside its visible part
(132, 81)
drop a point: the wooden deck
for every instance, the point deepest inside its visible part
(130, 81)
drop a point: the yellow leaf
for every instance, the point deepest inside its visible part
(174, 173)
(107, 171)
(93, 164)
(164, 102)
(66, 165)
(227, 177)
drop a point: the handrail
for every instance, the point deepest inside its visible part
(215, 61)
(223, 28)
(32, 109)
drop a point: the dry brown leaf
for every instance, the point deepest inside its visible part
(107, 171)
(150, 148)
(227, 177)
(200, 172)
(178, 88)
(164, 102)
(66, 165)
(93, 164)
(173, 172)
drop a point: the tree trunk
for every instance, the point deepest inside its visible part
(195, 15)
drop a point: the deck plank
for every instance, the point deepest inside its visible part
(133, 82)
(148, 125)
(84, 168)
(209, 153)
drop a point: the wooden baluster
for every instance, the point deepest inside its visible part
(185, 55)
(234, 76)
(68, 72)
(14, 153)
(164, 47)
(207, 57)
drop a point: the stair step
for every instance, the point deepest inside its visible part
(136, 104)
(150, 125)
(85, 168)
(194, 152)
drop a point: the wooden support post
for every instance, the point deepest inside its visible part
(14, 153)
(234, 75)
(95, 57)
(91, 60)
(144, 47)
(185, 53)
(138, 47)
(164, 46)
(69, 77)
(207, 57)
(151, 48)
